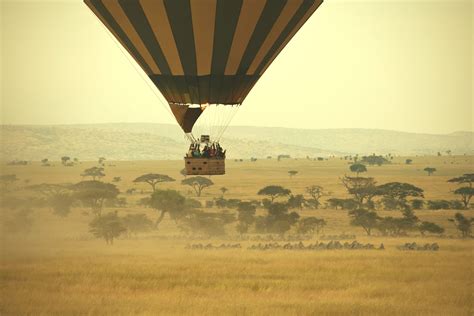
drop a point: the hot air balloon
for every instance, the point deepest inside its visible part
(204, 56)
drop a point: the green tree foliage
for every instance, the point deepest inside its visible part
(399, 225)
(374, 160)
(93, 172)
(279, 220)
(7, 180)
(362, 189)
(208, 224)
(57, 196)
(345, 204)
(107, 227)
(364, 218)
(153, 179)
(430, 170)
(137, 223)
(65, 160)
(296, 201)
(292, 173)
(463, 224)
(274, 191)
(61, 203)
(310, 225)
(94, 193)
(358, 168)
(198, 184)
(428, 227)
(223, 190)
(466, 194)
(417, 204)
(408, 161)
(316, 192)
(395, 194)
(168, 201)
(246, 216)
(465, 178)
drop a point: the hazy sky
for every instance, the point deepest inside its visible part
(402, 64)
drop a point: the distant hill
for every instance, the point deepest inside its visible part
(136, 141)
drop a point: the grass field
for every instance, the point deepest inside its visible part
(59, 268)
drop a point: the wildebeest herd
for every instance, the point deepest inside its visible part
(331, 245)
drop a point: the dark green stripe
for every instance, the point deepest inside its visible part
(137, 17)
(227, 16)
(305, 6)
(99, 6)
(179, 15)
(270, 14)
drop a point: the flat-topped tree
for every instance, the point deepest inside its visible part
(466, 194)
(398, 192)
(58, 196)
(93, 172)
(292, 173)
(430, 170)
(463, 224)
(153, 179)
(94, 194)
(274, 191)
(358, 168)
(8, 179)
(168, 201)
(465, 178)
(198, 183)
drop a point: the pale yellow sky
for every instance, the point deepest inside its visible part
(402, 65)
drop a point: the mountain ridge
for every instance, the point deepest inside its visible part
(151, 141)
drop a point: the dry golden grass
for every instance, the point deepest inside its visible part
(60, 269)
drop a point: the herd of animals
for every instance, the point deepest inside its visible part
(331, 245)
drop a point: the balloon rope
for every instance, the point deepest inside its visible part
(137, 68)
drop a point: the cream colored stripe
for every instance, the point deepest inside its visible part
(290, 36)
(101, 18)
(155, 12)
(249, 15)
(204, 20)
(116, 10)
(285, 16)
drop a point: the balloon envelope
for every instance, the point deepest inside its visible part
(203, 51)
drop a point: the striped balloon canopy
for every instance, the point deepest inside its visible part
(201, 52)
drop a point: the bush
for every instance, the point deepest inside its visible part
(438, 205)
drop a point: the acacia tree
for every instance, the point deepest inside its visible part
(246, 216)
(168, 201)
(310, 225)
(153, 179)
(223, 190)
(108, 227)
(365, 219)
(93, 172)
(395, 194)
(430, 170)
(292, 173)
(65, 160)
(358, 168)
(7, 180)
(316, 192)
(198, 184)
(279, 220)
(466, 192)
(362, 189)
(463, 224)
(94, 193)
(274, 191)
(428, 227)
(137, 223)
(58, 196)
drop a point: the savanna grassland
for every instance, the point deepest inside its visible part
(60, 268)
